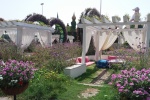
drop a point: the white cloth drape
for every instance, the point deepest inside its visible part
(103, 40)
(121, 39)
(99, 39)
(88, 33)
(70, 38)
(12, 33)
(28, 34)
(136, 39)
(111, 38)
(43, 38)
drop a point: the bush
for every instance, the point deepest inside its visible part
(46, 85)
(133, 84)
(57, 57)
(9, 51)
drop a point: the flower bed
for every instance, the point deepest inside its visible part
(132, 84)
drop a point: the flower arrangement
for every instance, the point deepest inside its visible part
(15, 73)
(133, 84)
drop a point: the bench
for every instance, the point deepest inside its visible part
(75, 70)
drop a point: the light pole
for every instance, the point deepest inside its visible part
(42, 7)
(100, 6)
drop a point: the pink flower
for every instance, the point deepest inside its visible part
(133, 69)
(131, 84)
(136, 92)
(120, 90)
(118, 85)
(122, 87)
(113, 76)
(119, 76)
(110, 83)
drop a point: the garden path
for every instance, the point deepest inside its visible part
(98, 81)
(102, 77)
(6, 98)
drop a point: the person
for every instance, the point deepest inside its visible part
(136, 12)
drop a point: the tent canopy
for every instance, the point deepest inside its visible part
(22, 34)
(105, 33)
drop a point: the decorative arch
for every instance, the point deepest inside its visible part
(37, 17)
(54, 21)
(51, 22)
(88, 12)
(1, 19)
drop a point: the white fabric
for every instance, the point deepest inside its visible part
(12, 33)
(103, 41)
(111, 38)
(88, 33)
(43, 38)
(121, 39)
(28, 35)
(99, 40)
(135, 39)
(70, 38)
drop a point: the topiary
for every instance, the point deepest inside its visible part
(54, 21)
(37, 17)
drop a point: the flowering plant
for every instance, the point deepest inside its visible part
(15, 73)
(134, 84)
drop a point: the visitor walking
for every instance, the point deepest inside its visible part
(136, 12)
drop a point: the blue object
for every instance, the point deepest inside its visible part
(102, 64)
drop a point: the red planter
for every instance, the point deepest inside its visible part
(148, 98)
(15, 90)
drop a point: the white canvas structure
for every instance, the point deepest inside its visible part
(105, 33)
(22, 34)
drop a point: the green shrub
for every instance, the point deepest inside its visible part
(9, 51)
(46, 85)
(40, 56)
(57, 57)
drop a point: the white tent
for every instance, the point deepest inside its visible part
(105, 33)
(22, 34)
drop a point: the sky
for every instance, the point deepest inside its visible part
(19, 9)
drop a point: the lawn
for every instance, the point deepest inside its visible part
(91, 73)
(74, 90)
(105, 92)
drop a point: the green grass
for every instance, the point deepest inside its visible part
(91, 73)
(74, 90)
(105, 93)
